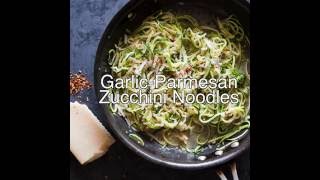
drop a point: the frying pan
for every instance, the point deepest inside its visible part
(129, 18)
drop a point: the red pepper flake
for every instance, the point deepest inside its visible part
(78, 82)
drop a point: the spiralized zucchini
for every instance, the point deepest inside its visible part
(178, 46)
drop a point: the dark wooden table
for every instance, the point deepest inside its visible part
(88, 21)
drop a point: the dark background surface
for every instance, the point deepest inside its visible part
(88, 19)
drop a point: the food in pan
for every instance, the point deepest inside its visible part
(178, 46)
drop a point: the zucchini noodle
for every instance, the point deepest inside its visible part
(177, 46)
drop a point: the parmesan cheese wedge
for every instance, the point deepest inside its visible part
(89, 140)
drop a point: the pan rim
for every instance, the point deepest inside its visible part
(139, 150)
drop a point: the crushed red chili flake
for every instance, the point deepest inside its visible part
(78, 82)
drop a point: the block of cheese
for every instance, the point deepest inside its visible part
(89, 140)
